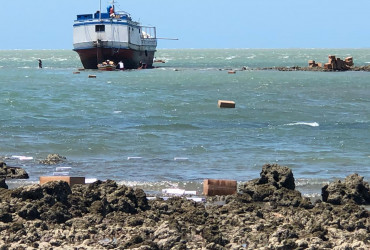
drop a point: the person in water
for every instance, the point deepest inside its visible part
(40, 64)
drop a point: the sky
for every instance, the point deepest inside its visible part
(40, 24)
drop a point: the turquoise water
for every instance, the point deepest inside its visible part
(161, 127)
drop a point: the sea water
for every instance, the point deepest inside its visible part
(162, 128)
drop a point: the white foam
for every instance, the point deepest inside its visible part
(61, 173)
(62, 169)
(117, 112)
(22, 158)
(230, 57)
(134, 158)
(196, 199)
(90, 180)
(177, 191)
(181, 159)
(311, 124)
(174, 191)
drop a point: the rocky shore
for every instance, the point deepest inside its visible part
(299, 68)
(317, 69)
(267, 213)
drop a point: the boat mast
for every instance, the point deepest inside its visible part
(100, 12)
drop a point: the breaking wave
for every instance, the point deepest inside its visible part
(311, 124)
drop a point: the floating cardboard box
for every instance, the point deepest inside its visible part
(70, 180)
(213, 187)
(226, 104)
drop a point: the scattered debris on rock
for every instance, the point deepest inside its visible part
(53, 159)
(335, 64)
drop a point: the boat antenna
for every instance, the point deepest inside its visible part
(100, 12)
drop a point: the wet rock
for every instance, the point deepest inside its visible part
(12, 172)
(58, 213)
(278, 176)
(5, 213)
(50, 192)
(106, 197)
(213, 235)
(166, 236)
(276, 184)
(29, 212)
(3, 184)
(53, 159)
(352, 189)
(33, 192)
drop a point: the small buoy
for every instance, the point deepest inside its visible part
(92, 76)
(232, 72)
(226, 104)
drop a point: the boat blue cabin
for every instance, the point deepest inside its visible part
(86, 17)
(103, 15)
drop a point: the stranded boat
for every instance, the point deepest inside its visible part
(113, 36)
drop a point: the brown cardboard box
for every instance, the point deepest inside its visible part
(70, 180)
(226, 104)
(213, 187)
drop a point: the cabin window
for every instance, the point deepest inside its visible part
(146, 53)
(99, 28)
